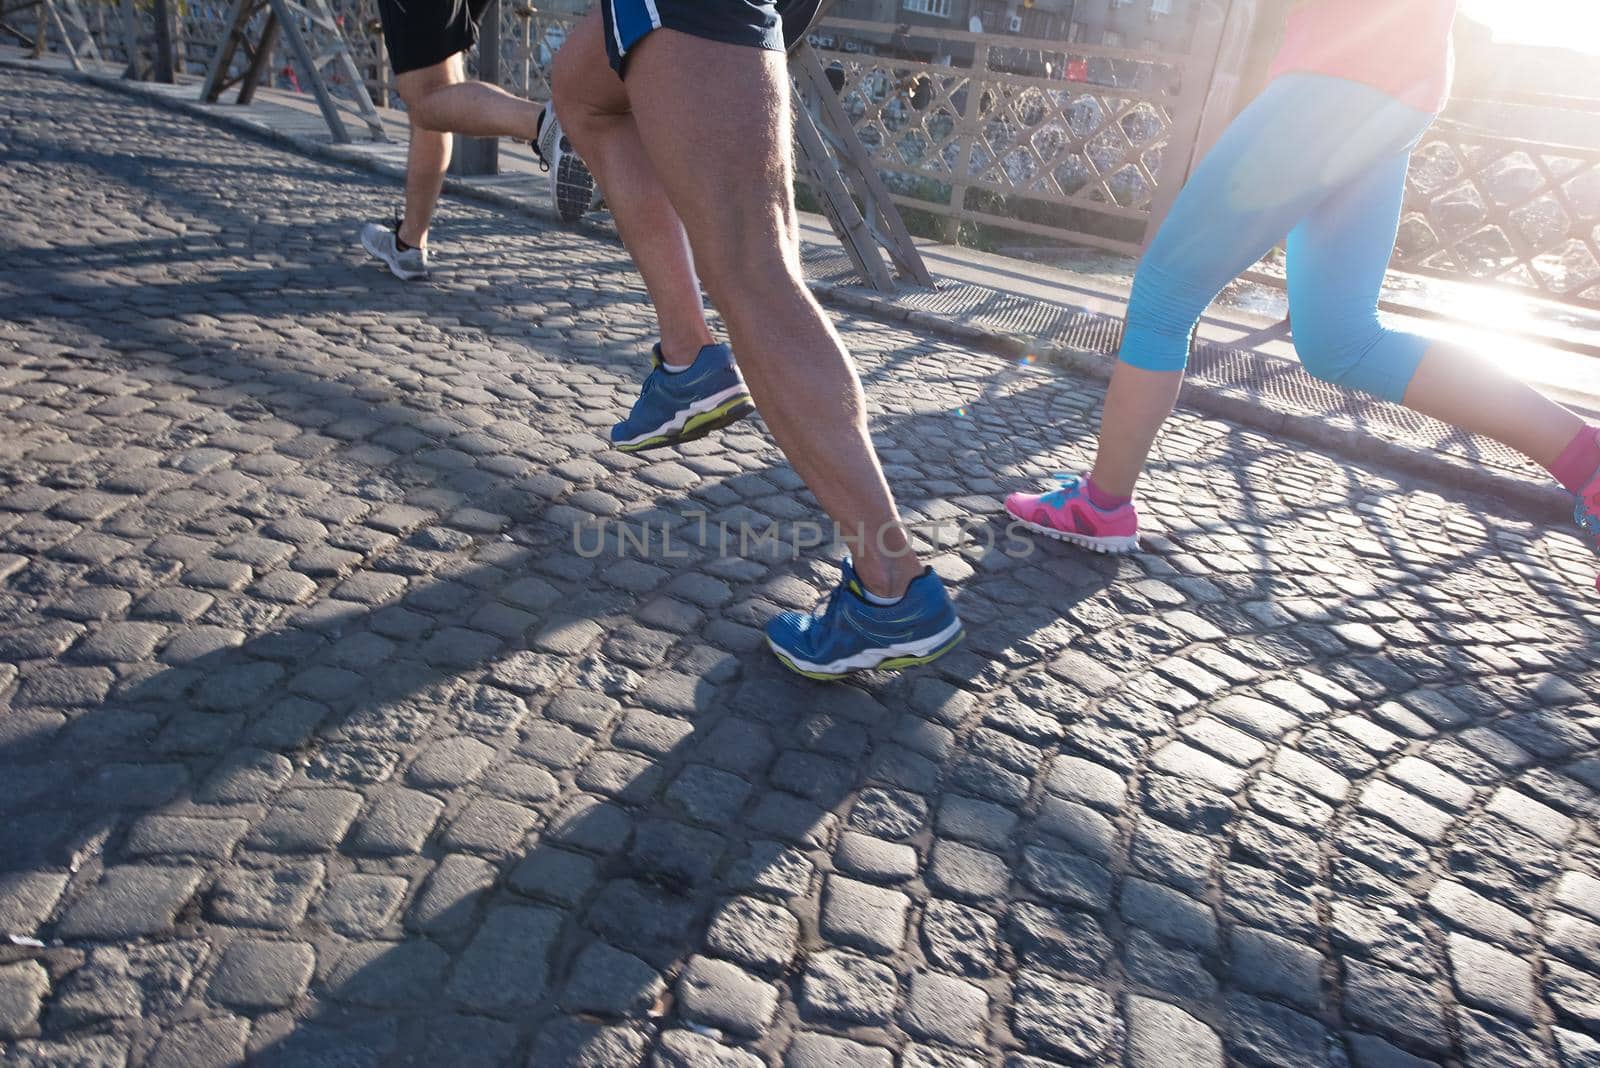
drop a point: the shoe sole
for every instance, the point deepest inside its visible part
(394, 269)
(1108, 546)
(889, 660)
(698, 425)
(574, 188)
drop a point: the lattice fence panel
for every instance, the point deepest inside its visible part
(1520, 214)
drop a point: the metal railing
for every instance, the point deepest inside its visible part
(1523, 215)
(1070, 142)
(1055, 139)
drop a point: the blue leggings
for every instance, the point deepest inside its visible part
(1322, 160)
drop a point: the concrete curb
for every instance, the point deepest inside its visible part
(1539, 498)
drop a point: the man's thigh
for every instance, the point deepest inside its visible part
(715, 120)
(582, 77)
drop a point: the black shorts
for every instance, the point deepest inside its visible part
(777, 26)
(421, 33)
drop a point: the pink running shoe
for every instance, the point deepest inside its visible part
(1586, 513)
(1066, 514)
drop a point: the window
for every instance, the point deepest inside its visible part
(936, 8)
(1160, 7)
(1015, 24)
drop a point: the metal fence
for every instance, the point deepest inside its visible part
(1074, 143)
(1026, 135)
(1524, 215)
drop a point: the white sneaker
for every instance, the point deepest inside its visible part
(409, 265)
(572, 188)
(383, 242)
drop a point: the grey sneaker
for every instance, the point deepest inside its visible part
(572, 188)
(380, 240)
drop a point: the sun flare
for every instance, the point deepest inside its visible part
(1559, 23)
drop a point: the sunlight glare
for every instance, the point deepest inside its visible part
(1555, 23)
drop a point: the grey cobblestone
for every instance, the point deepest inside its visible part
(843, 986)
(1066, 1019)
(685, 1049)
(1269, 1033)
(256, 976)
(754, 933)
(212, 1043)
(27, 899)
(116, 984)
(274, 897)
(825, 1051)
(360, 904)
(946, 1009)
(306, 821)
(1163, 1034)
(130, 901)
(866, 917)
(718, 994)
(299, 660)
(23, 986)
(506, 965)
(396, 823)
(610, 983)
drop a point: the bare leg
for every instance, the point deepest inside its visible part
(428, 155)
(1460, 389)
(729, 171)
(1137, 404)
(427, 158)
(593, 106)
(477, 109)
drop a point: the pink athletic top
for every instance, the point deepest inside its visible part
(1400, 46)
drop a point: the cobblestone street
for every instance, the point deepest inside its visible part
(346, 719)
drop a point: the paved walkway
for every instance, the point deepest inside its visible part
(323, 741)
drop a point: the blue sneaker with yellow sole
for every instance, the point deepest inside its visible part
(690, 404)
(852, 634)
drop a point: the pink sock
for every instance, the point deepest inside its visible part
(1579, 460)
(1100, 498)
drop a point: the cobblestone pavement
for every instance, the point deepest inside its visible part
(324, 742)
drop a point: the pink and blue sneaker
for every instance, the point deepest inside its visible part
(1586, 513)
(1067, 514)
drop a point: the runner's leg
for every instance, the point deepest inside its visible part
(714, 120)
(594, 111)
(1337, 261)
(428, 155)
(476, 109)
(1303, 139)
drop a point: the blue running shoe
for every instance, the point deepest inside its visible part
(853, 634)
(687, 405)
